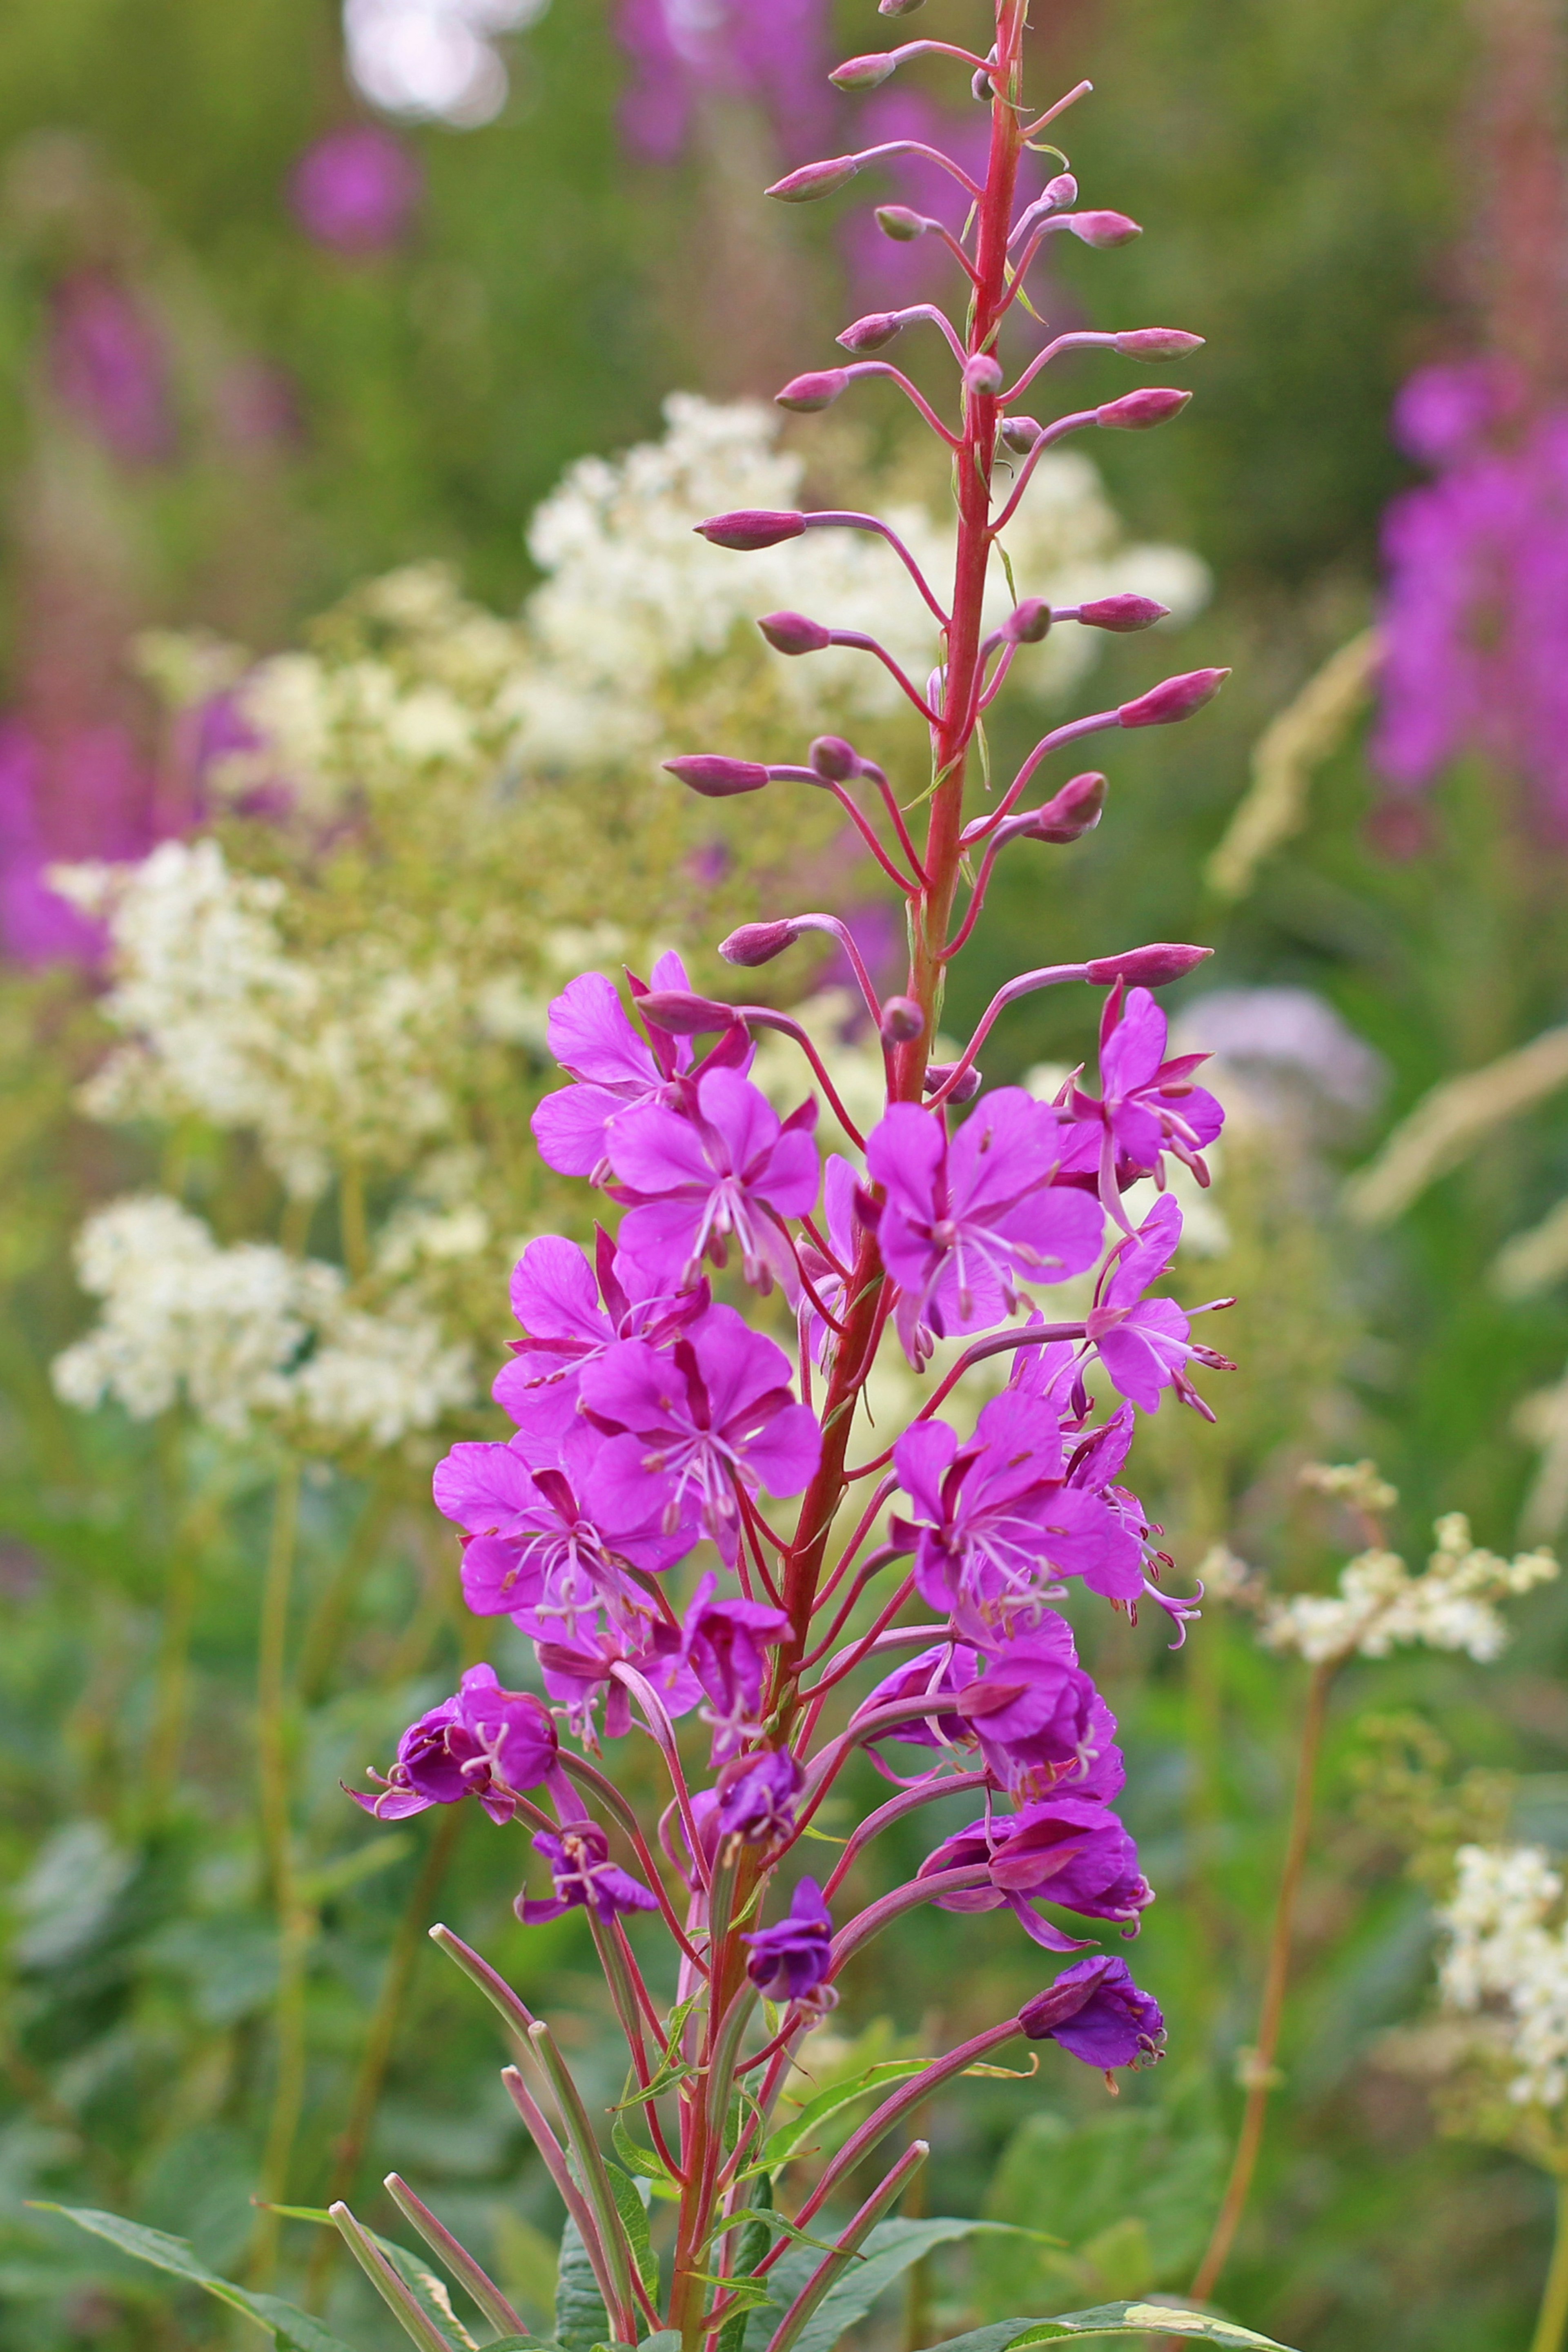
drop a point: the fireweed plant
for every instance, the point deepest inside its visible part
(830, 1604)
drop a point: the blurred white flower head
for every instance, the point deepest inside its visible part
(433, 59)
(1502, 1953)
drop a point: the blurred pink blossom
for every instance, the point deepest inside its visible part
(771, 51)
(109, 367)
(356, 190)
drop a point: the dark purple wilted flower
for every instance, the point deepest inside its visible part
(109, 366)
(1098, 2015)
(791, 1960)
(356, 191)
(756, 1797)
(727, 1169)
(994, 1519)
(484, 1742)
(585, 1878)
(964, 1221)
(1150, 1105)
(1064, 1849)
(710, 1414)
(773, 54)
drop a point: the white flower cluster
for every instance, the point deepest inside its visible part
(1380, 1604)
(249, 1332)
(332, 1054)
(1500, 1950)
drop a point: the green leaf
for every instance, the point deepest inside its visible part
(753, 2245)
(672, 2067)
(430, 2291)
(1140, 2319)
(668, 2339)
(748, 2219)
(791, 2137)
(296, 2331)
(888, 2252)
(581, 2319)
(645, 2163)
(631, 2203)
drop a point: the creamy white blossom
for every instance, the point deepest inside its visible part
(378, 1377)
(1380, 1604)
(1501, 1952)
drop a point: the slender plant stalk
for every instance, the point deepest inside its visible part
(1276, 1981)
(323, 1638)
(296, 1921)
(1551, 2321)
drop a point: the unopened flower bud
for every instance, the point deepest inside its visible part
(1156, 343)
(899, 8)
(981, 88)
(1027, 623)
(1100, 229)
(756, 943)
(968, 1087)
(1062, 190)
(983, 373)
(902, 1021)
(1173, 699)
(819, 389)
(1150, 967)
(1074, 811)
(1121, 613)
(869, 334)
(716, 778)
(863, 73)
(814, 180)
(835, 758)
(1020, 434)
(792, 633)
(751, 527)
(1136, 412)
(682, 1014)
(900, 224)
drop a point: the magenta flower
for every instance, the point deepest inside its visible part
(724, 1644)
(1143, 1343)
(791, 1960)
(755, 1797)
(585, 1878)
(964, 1221)
(356, 191)
(580, 1670)
(939, 1672)
(1034, 1708)
(616, 1068)
(727, 1169)
(571, 1317)
(538, 1537)
(704, 1420)
(1098, 2015)
(996, 1519)
(484, 1742)
(111, 368)
(1149, 1106)
(1064, 1849)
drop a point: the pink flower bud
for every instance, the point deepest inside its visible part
(792, 633)
(814, 180)
(1156, 343)
(983, 373)
(1150, 967)
(1100, 230)
(863, 73)
(820, 389)
(900, 224)
(869, 334)
(1020, 434)
(969, 1086)
(756, 943)
(1027, 623)
(682, 1014)
(899, 8)
(751, 527)
(1173, 699)
(1068, 814)
(1062, 190)
(835, 758)
(902, 1021)
(1136, 412)
(1121, 613)
(716, 778)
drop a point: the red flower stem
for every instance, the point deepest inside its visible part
(857, 641)
(846, 519)
(908, 1800)
(908, 2094)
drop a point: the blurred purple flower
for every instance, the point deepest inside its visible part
(356, 191)
(770, 51)
(85, 796)
(1098, 2015)
(110, 367)
(755, 1797)
(585, 1878)
(887, 275)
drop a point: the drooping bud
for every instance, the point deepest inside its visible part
(1150, 967)
(968, 1087)
(1121, 613)
(750, 528)
(1156, 343)
(869, 334)
(814, 180)
(902, 1021)
(792, 633)
(1027, 623)
(863, 73)
(900, 224)
(1101, 229)
(899, 8)
(983, 373)
(1068, 814)
(834, 759)
(1137, 411)
(1173, 699)
(1020, 434)
(819, 389)
(1062, 190)
(716, 778)
(756, 943)
(683, 1014)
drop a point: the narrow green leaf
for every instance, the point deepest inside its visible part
(294, 2330)
(1141, 2319)
(747, 2294)
(645, 2163)
(791, 2137)
(747, 2219)
(631, 2204)
(668, 2339)
(671, 2068)
(753, 2245)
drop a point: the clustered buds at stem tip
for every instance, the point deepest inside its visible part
(1173, 699)
(750, 528)
(715, 777)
